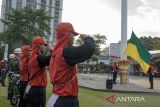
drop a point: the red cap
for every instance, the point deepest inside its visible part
(66, 27)
(37, 41)
(26, 48)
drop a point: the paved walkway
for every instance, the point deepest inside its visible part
(135, 83)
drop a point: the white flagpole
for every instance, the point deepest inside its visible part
(123, 28)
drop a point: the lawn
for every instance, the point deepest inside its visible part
(91, 98)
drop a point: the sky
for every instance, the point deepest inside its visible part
(104, 17)
(0, 6)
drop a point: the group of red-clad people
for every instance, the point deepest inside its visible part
(62, 68)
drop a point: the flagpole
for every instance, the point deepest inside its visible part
(123, 28)
(123, 63)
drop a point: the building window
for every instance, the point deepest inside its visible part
(50, 7)
(31, 4)
(57, 3)
(43, 4)
(28, 3)
(19, 4)
(50, 3)
(56, 12)
(34, 4)
(8, 3)
(8, 7)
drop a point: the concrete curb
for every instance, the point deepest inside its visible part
(121, 91)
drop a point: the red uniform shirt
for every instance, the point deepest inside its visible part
(24, 73)
(2, 64)
(63, 76)
(36, 73)
(114, 67)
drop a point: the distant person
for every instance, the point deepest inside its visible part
(10, 75)
(14, 67)
(4, 71)
(115, 72)
(24, 74)
(151, 74)
(63, 68)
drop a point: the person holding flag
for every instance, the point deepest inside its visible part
(151, 74)
(137, 51)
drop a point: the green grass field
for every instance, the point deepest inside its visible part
(91, 98)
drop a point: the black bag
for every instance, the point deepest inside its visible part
(109, 81)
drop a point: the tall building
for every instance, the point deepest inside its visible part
(53, 7)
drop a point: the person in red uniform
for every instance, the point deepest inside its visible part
(63, 69)
(115, 71)
(151, 74)
(36, 87)
(24, 74)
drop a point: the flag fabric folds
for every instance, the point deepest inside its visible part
(137, 51)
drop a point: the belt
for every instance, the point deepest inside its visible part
(68, 97)
(38, 86)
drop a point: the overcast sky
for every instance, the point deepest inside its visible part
(104, 17)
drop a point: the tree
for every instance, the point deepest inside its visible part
(147, 42)
(156, 44)
(21, 25)
(105, 51)
(99, 41)
(151, 43)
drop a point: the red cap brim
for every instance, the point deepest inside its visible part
(75, 33)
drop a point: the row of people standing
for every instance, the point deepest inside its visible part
(10, 67)
(13, 77)
(63, 70)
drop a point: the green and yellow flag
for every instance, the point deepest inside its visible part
(136, 50)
